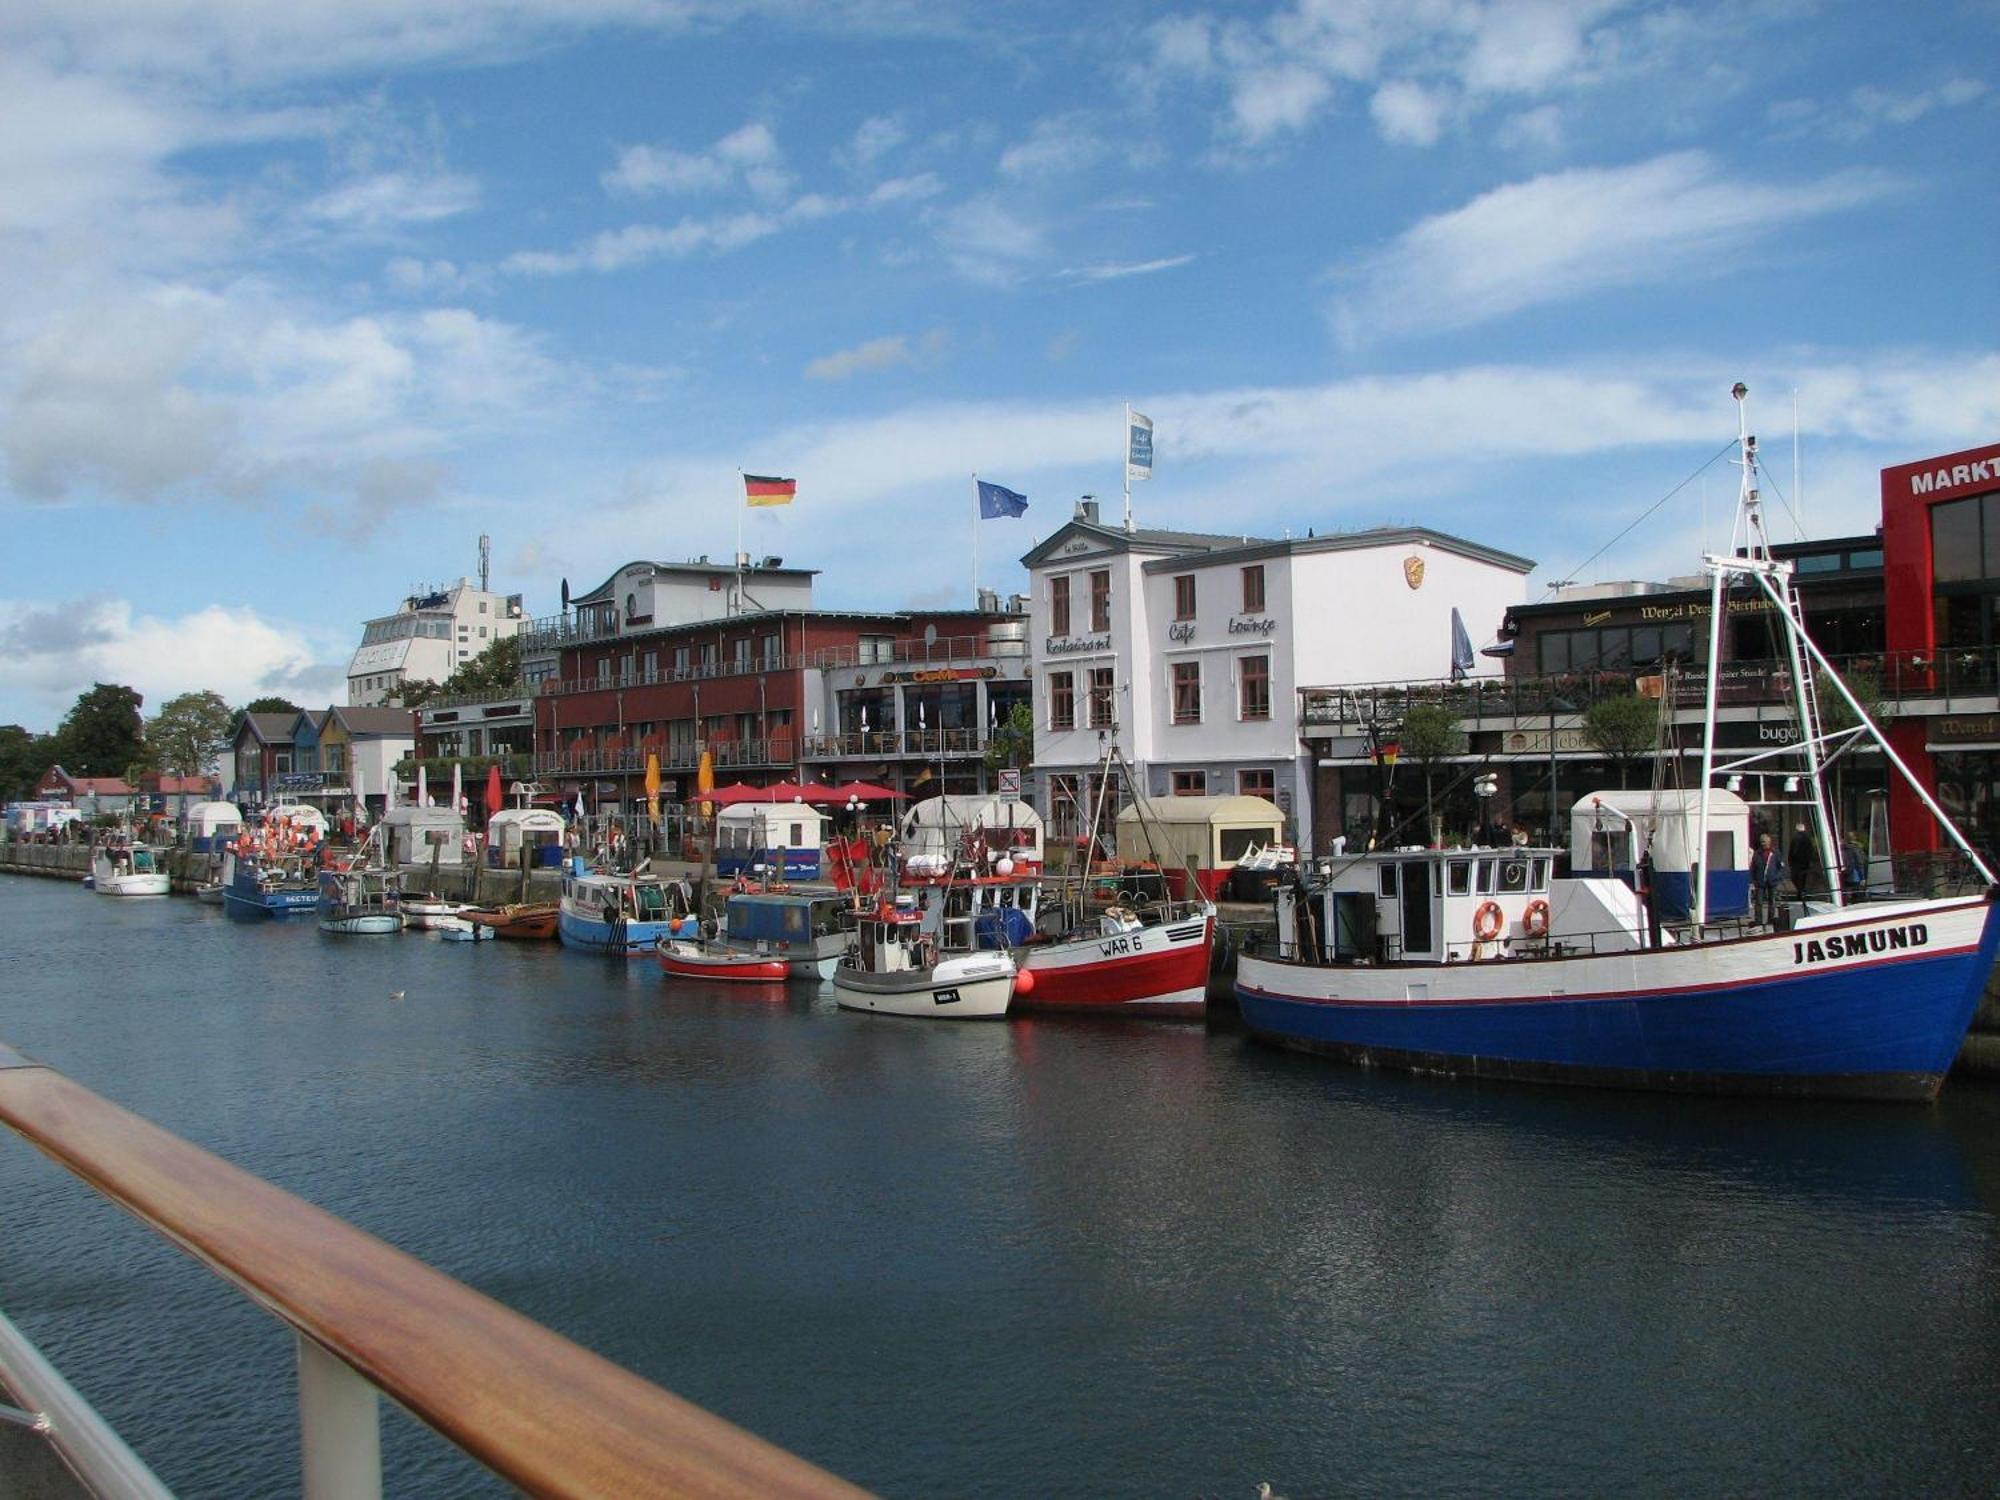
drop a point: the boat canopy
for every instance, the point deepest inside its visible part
(1610, 831)
(769, 825)
(1209, 834)
(416, 832)
(299, 814)
(783, 918)
(212, 819)
(936, 826)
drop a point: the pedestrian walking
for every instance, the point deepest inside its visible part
(1767, 869)
(1803, 857)
(1853, 867)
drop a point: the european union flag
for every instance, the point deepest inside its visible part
(997, 500)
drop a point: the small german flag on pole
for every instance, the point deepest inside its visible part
(762, 489)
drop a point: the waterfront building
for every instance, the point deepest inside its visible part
(430, 635)
(666, 660)
(1188, 648)
(89, 795)
(1907, 614)
(261, 753)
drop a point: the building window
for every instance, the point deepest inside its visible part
(1253, 589)
(482, 606)
(1262, 783)
(771, 655)
(1616, 648)
(1187, 692)
(652, 665)
(877, 648)
(1255, 687)
(681, 659)
(1059, 605)
(1062, 700)
(1184, 596)
(604, 670)
(1100, 599)
(1101, 715)
(482, 632)
(1190, 783)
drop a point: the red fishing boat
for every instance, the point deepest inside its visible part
(690, 960)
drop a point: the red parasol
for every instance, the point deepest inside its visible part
(865, 791)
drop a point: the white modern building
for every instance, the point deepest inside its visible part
(432, 634)
(1187, 649)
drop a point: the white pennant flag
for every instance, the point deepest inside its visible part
(1138, 445)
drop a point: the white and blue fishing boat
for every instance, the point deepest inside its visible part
(256, 888)
(808, 930)
(363, 901)
(1483, 963)
(605, 911)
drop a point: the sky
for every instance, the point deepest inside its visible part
(302, 299)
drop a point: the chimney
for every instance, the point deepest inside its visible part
(1086, 509)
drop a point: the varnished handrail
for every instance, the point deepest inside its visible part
(543, 1413)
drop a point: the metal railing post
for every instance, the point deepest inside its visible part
(340, 1429)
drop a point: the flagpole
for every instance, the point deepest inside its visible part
(975, 539)
(736, 561)
(1127, 466)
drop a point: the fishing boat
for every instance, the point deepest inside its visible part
(458, 930)
(432, 911)
(532, 921)
(898, 968)
(121, 869)
(807, 931)
(1487, 964)
(257, 886)
(1144, 953)
(362, 901)
(606, 911)
(697, 960)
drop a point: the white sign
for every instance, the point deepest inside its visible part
(1010, 783)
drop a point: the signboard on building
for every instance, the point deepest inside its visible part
(1964, 729)
(1536, 741)
(1009, 783)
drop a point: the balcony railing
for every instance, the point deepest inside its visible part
(757, 666)
(897, 744)
(1949, 680)
(590, 760)
(894, 652)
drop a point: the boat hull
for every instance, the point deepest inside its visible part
(1154, 971)
(534, 925)
(974, 988)
(1872, 1007)
(366, 924)
(595, 935)
(209, 895)
(687, 961)
(131, 885)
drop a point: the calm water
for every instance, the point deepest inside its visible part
(1017, 1259)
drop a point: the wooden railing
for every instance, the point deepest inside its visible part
(544, 1414)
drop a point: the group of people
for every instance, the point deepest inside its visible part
(1799, 867)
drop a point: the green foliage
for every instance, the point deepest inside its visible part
(189, 732)
(1013, 743)
(497, 669)
(23, 758)
(1624, 729)
(1430, 736)
(102, 734)
(1866, 686)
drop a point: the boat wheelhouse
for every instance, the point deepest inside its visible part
(120, 869)
(604, 911)
(809, 931)
(897, 968)
(363, 901)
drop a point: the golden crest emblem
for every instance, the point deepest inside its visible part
(1413, 572)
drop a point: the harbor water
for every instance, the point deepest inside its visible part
(1024, 1258)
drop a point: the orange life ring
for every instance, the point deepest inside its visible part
(1487, 921)
(1535, 920)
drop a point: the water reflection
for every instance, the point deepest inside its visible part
(1125, 1259)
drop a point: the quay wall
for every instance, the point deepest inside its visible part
(1981, 1053)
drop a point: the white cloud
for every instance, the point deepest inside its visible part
(875, 355)
(51, 652)
(907, 189)
(637, 244)
(1408, 113)
(1869, 108)
(1118, 271)
(1567, 234)
(989, 242)
(1058, 144)
(748, 157)
(873, 139)
(389, 200)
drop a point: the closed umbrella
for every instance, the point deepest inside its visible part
(653, 786)
(457, 787)
(423, 787)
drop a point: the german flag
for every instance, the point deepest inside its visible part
(762, 489)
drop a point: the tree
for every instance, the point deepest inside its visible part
(497, 669)
(189, 732)
(23, 758)
(1013, 743)
(1625, 729)
(1430, 736)
(1835, 715)
(102, 734)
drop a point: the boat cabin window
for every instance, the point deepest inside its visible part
(1514, 875)
(1486, 867)
(651, 901)
(1721, 849)
(1385, 877)
(1459, 882)
(1541, 874)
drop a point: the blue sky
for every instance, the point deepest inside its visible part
(303, 298)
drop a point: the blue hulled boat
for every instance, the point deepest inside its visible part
(603, 911)
(256, 888)
(1483, 963)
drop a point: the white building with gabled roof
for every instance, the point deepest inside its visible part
(1187, 649)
